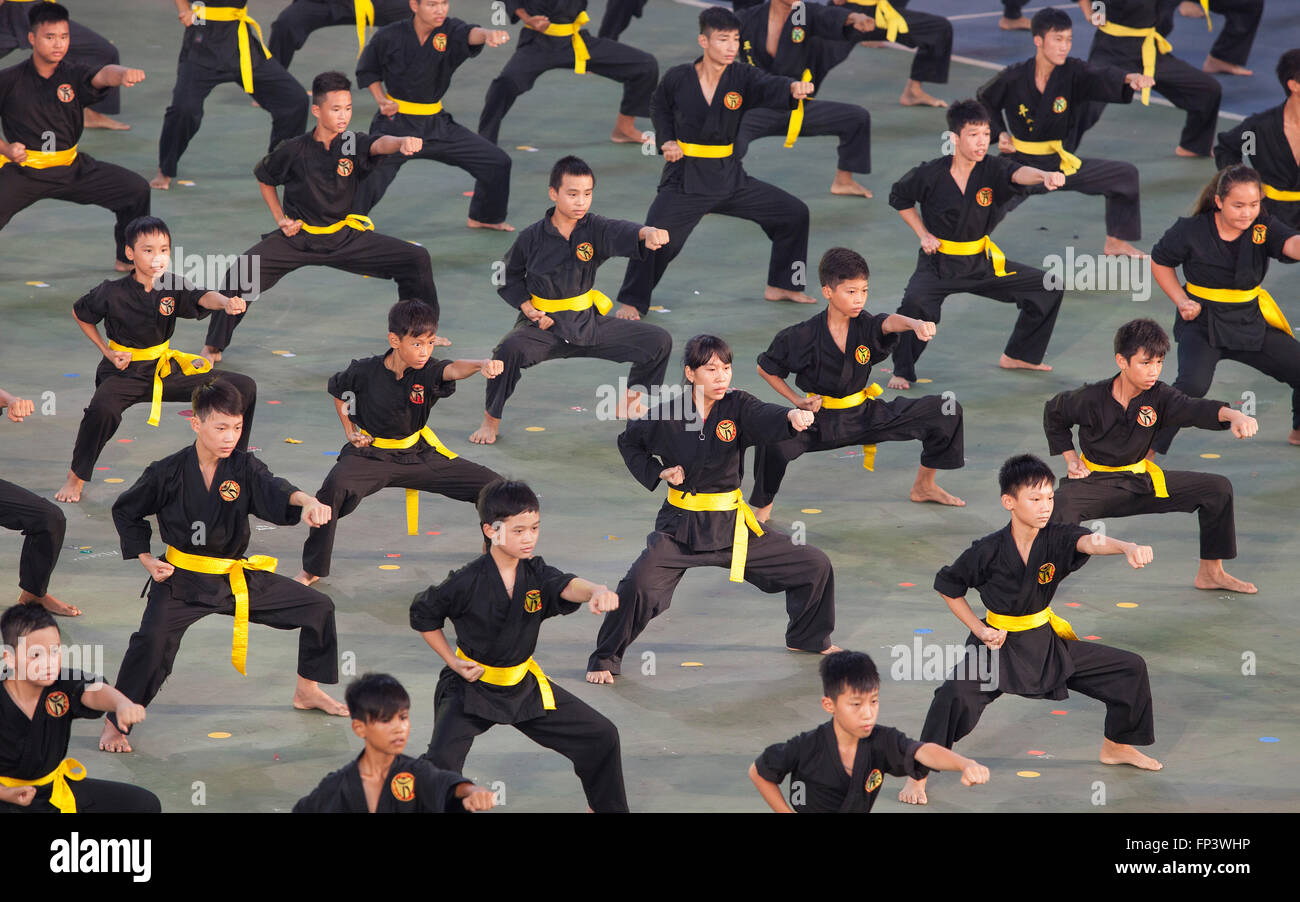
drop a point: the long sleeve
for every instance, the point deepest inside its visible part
(130, 510)
(515, 291)
(1060, 415)
(270, 498)
(634, 445)
(662, 111)
(993, 94)
(1227, 152)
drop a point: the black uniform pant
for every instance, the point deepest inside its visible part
(1115, 677)
(574, 729)
(186, 598)
(618, 16)
(1103, 495)
(300, 18)
(933, 420)
(42, 525)
(84, 46)
(94, 797)
(643, 345)
(1236, 34)
(1011, 9)
(446, 141)
(86, 181)
(848, 121)
(1022, 286)
(782, 217)
(635, 69)
(363, 253)
(355, 476)
(773, 564)
(931, 35)
(1115, 180)
(114, 394)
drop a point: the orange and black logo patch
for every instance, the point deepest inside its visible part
(585, 251)
(440, 42)
(984, 197)
(1146, 416)
(726, 431)
(533, 601)
(797, 35)
(1060, 105)
(874, 779)
(229, 490)
(733, 100)
(403, 786)
(344, 167)
(862, 354)
(1046, 574)
(66, 94)
(1259, 233)
(167, 306)
(417, 393)
(56, 704)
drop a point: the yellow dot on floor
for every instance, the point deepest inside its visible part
(923, 381)
(218, 735)
(810, 510)
(1211, 456)
(692, 663)
(293, 441)
(390, 566)
(534, 429)
(1028, 773)
(281, 352)
(1126, 604)
(115, 479)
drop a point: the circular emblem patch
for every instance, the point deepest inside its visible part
(56, 704)
(585, 251)
(984, 197)
(797, 35)
(732, 101)
(403, 786)
(440, 42)
(1059, 105)
(862, 354)
(229, 490)
(66, 94)
(533, 601)
(1259, 233)
(1045, 574)
(874, 779)
(726, 431)
(1146, 416)
(417, 394)
(167, 306)
(344, 167)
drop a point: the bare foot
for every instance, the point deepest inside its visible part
(51, 604)
(1191, 9)
(486, 433)
(1216, 66)
(1184, 152)
(626, 132)
(308, 695)
(1011, 363)
(846, 185)
(627, 311)
(112, 739)
(1021, 24)
(915, 95)
(1211, 575)
(899, 383)
(872, 44)
(305, 578)
(786, 294)
(160, 182)
(93, 119)
(498, 226)
(928, 490)
(764, 513)
(601, 677)
(120, 266)
(1294, 437)
(71, 491)
(1119, 753)
(828, 650)
(1118, 247)
(212, 354)
(913, 792)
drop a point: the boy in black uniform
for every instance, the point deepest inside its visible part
(202, 497)
(38, 703)
(1231, 48)
(698, 448)
(497, 604)
(831, 356)
(931, 35)
(384, 404)
(139, 313)
(961, 200)
(550, 279)
(1035, 652)
(381, 780)
(300, 18)
(1038, 101)
(840, 765)
(1115, 478)
(553, 38)
(42, 98)
(407, 67)
(319, 224)
(697, 111)
(219, 47)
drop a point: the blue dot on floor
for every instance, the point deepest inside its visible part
(923, 630)
(330, 453)
(1269, 739)
(72, 375)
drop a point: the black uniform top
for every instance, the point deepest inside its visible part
(808, 350)
(1207, 260)
(560, 12)
(1272, 157)
(420, 73)
(544, 263)
(31, 106)
(412, 786)
(172, 488)
(31, 748)
(495, 629)
(711, 455)
(216, 44)
(949, 214)
(796, 48)
(137, 318)
(388, 407)
(1049, 115)
(1115, 436)
(319, 184)
(679, 113)
(1034, 662)
(813, 759)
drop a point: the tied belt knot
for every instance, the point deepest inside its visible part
(888, 18)
(579, 302)
(401, 444)
(364, 11)
(513, 676)
(718, 502)
(190, 365)
(1150, 467)
(1060, 625)
(796, 115)
(60, 793)
(857, 399)
(1273, 314)
(233, 568)
(411, 108)
(351, 221)
(1152, 41)
(203, 13)
(44, 159)
(1070, 164)
(572, 30)
(983, 246)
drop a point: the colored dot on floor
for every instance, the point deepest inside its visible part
(433, 532)
(1037, 752)
(389, 567)
(534, 429)
(692, 664)
(272, 402)
(103, 468)
(1126, 604)
(1211, 456)
(218, 735)
(392, 555)
(71, 375)
(185, 413)
(1030, 774)
(1071, 604)
(125, 441)
(922, 382)
(907, 585)
(1059, 713)
(467, 194)
(921, 631)
(1092, 638)
(810, 510)
(330, 453)
(1269, 739)
(83, 547)
(115, 479)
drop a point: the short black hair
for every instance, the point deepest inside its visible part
(1141, 335)
(702, 348)
(1049, 19)
(217, 396)
(21, 619)
(570, 165)
(412, 317)
(325, 83)
(839, 264)
(718, 18)
(1024, 471)
(502, 499)
(1288, 68)
(967, 112)
(848, 671)
(145, 225)
(43, 13)
(376, 697)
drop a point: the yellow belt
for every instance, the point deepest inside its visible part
(365, 15)
(234, 568)
(352, 221)
(855, 400)
(984, 246)
(1269, 191)
(1060, 625)
(578, 302)
(889, 18)
(571, 30)
(411, 108)
(724, 501)
(796, 115)
(231, 14)
(1152, 40)
(44, 159)
(413, 495)
(1205, 5)
(1069, 162)
(709, 151)
(1142, 466)
(1273, 314)
(190, 364)
(513, 676)
(60, 794)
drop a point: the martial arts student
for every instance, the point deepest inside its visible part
(1231, 48)
(41, 103)
(698, 448)
(384, 404)
(961, 200)
(931, 35)
(1270, 142)
(1223, 312)
(300, 18)
(1034, 106)
(381, 780)
(840, 766)
(780, 41)
(497, 604)
(38, 703)
(139, 314)
(319, 225)
(1127, 39)
(554, 38)
(202, 497)
(550, 278)
(1117, 420)
(697, 110)
(222, 43)
(407, 67)
(1035, 653)
(831, 356)
(41, 523)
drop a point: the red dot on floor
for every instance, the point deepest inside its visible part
(1071, 604)
(467, 194)
(433, 533)
(125, 441)
(185, 413)
(272, 402)
(392, 555)
(103, 468)
(907, 585)
(1037, 752)
(1092, 638)
(1058, 712)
